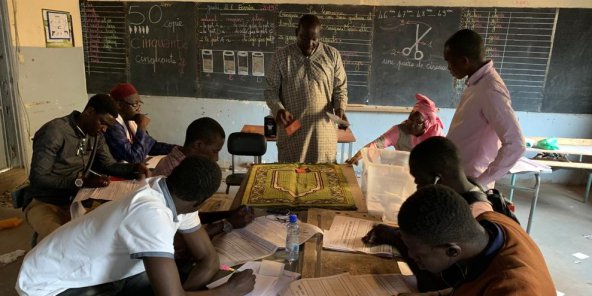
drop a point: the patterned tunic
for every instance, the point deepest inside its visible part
(307, 87)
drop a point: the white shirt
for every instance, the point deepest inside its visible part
(485, 128)
(107, 244)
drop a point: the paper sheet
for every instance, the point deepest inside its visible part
(346, 235)
(259, 239)
(346, 285)
(264, 285)
(115, 190)
(152, 161)
(525, 165)
(218, 202)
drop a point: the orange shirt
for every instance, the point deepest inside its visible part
(517, 269)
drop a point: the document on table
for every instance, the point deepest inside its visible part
(265, 284)
(218, 202)
(528, 165)
(354, 285)
(115, 190)
(346, 235)
(259, 239)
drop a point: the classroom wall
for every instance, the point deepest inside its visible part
(51, 84)
(50, 81)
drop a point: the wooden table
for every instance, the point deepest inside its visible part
(343, 137)
(317, 262)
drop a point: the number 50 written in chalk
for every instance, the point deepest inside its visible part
(154, 14)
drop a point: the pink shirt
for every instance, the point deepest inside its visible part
(166, 165)
(485, 129)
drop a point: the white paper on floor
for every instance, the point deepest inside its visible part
(10, 257)
(580, 256)
(560, 293)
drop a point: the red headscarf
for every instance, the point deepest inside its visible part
(122, 91)
(427, 108)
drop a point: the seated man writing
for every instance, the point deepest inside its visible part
(66, 153)
(125, 247)
(128, 138)
(434, 160)
(205, 137)
(490, 255)
(423, 123)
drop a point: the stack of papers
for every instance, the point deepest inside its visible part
(354, 285)
(270, 278)
(346, 235)
(259, 239)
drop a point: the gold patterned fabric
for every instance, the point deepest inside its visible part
(298, 185)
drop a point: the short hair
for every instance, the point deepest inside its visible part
(103, 104)
(205, 129)
(436, 154)
(195, 179)
(308, 21)
(467, 43)
(436, 214)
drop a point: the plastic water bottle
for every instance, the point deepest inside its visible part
(292, 239)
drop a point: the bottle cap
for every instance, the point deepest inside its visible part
(293, 218)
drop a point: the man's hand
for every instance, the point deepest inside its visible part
(241, 217)
(94, 181)
(284, 117)
(380, 234)
(240, 283)
(141, 171)
(355, 158)
(141, 120)
(341, 113)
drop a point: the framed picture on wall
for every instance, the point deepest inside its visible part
(58, 28)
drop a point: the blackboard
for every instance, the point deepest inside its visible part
(223, 50)
(235, 45)
(347, 28)
(162, 48)
(407, 55)
(105, 45)
(569, 83)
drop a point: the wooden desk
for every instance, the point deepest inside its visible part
(570, 146)
(317, 262)
(348, 172)
(343, 137)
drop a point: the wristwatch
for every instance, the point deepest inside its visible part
(227, 226)
(78, 182)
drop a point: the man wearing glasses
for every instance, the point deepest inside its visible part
(128, 139)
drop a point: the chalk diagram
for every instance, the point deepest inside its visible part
(414, 50)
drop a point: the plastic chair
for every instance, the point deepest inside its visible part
(244, 144)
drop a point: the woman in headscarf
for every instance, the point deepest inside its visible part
(421, 124)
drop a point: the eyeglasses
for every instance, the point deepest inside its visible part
(134, 105)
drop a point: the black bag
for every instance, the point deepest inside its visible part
(19, 197)
(500, 204)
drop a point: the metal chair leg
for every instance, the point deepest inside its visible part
(512, 184)
(588, 183)
(537, 186)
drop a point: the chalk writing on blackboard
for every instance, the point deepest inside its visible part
(347, 28)
(519, 42)
(104, 42)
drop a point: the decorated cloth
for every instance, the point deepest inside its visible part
(308, 88)
(298, 185)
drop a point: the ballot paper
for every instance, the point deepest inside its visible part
(346, 235)
(259, 239)
(354, 285)
(266, 284)
(115, 190)
(218, 202)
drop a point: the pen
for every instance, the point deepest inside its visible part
(93, 172)
(226, 268)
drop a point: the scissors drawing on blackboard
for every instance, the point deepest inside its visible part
(418, 54)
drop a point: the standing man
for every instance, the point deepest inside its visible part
(128, 138)
(307, 79)
(484, 126)
(67, 152)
